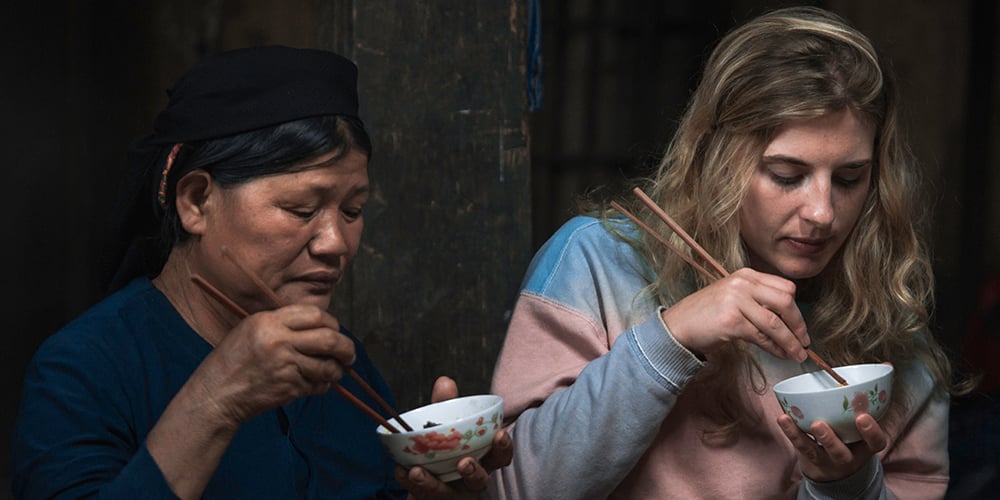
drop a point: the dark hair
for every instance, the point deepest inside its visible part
(152, 230)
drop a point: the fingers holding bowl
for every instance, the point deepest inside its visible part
(422, 484)
(871, 433)
(502, 452)
(446, 435)
(816, 396)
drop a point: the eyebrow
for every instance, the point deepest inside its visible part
(799, 162)
(322, 190)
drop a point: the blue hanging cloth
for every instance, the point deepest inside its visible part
(534, 55)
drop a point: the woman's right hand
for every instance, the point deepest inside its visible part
(267, 360)
(747, 305)
(273, 357)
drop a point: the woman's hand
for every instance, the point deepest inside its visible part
(746, 305)
(475, 474)
(273, 357)
(267, 360)
(828, 458)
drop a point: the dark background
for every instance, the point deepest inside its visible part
(469, 176)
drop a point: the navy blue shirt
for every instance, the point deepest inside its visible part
(95, 388)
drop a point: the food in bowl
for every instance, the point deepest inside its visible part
(450, 430)
(817, 396)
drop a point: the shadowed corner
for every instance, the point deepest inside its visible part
(974, 423)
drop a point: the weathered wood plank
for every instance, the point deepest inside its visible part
(448, 229)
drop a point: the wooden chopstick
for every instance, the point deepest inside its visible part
(239, 311)
(242, 313)
(219, 296)
(825, 366)
(675, 227)
(367, 409)
(277, 302)
(714, 264)
(687, 258)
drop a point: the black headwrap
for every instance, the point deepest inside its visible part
(248, 89)
(225, 94)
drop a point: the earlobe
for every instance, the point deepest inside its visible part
(192, 195)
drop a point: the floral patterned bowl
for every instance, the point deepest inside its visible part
(817, 396)
(444, 433)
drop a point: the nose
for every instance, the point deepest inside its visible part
(817, 207)
(330, 237)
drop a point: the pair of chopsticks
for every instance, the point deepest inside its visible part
(716, 272)
(276, 302)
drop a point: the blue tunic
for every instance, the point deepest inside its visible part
(95, 388)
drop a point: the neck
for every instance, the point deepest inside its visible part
(200, 311)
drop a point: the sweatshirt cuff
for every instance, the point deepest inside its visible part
(669, 360)
(860, 485)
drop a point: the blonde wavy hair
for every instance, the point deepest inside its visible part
(871, 303)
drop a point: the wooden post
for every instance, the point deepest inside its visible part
(448, 230)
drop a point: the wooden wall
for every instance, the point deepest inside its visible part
(449, 233)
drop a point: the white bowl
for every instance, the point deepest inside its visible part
(444, 433)
(817, 396)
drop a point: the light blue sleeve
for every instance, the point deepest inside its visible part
(866, 484)
(584, 439)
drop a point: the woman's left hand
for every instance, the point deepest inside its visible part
(828, 458)
(475, 474)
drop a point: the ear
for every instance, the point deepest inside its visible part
(192, 197)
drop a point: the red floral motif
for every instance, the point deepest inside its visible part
(435, 441)
(859, 403)
(882, 397)
(797, 412)
(480, 421)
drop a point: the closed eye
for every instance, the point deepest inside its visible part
(353, 214)
(782, 180)
(301, 213)
(847, 182)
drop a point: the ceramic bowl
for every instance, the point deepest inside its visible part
(445, 432)
(817, 396)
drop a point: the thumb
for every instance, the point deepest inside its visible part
(444, 388)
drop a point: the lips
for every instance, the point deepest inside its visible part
(320, 281)
(808, 245)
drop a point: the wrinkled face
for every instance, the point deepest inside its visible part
(806, 194)
(296, 231)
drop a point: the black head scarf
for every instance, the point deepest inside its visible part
(224, 94)
(252, 88)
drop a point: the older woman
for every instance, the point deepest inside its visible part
(626, 374)
(256, 170)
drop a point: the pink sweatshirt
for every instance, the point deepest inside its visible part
(602, 404)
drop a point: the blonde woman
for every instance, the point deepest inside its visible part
(626, 374)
